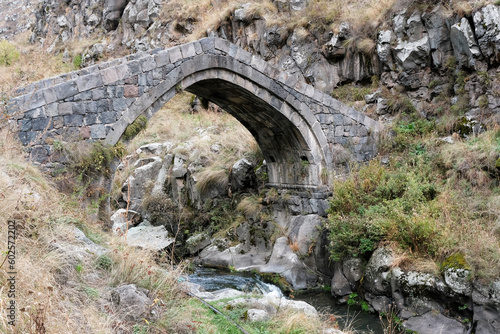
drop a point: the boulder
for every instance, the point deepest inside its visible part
(487, 30)
(304, 232)
(239, 257)
(413, 55)
(135, 188)
(352, 268)
(433, 322)
(458, 279)
(113, 10)
(377, 271)
(285, 262)
(340, 285)
(87, 245)
(197, 242)
(153, 148)
(384, 47)
(257, 315)
(465, 47)
(242, 176)
(120, 218)
(439, 35)
(149, 237)
(131, 303)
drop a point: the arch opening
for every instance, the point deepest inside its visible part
(290, 160)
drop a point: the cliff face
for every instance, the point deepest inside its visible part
(419, 53)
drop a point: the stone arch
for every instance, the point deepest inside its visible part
(299, 129)
(290, 144)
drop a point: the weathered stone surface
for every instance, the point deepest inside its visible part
(464, 43)
(304, 232)
(121, 218)
(340, 285)
(458, 280)
(432, 323)
(257, 315)
(134, 189)
(197, 242)
(487, 30)
(377, 271)
(149, 237)
(286, 263)
(242, 176)
(130, 302)
(412, 55)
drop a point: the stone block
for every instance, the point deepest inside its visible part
(131, 91)
(134, 68)
(89, 82)
(28, 137)
(119, 104)
(148, 64)
(85, 96)
(175, 54)
(84, 132)
(103, 105)
(108, 117)
(339, 131)
(98, 93)
(244, 56)
(222, 45)
(65, 108)
(50, 95)
(188, 50)
(109, 76)
(207, 44)
(58, 122)
(187, 68)
(197, 47)
(98, 131)
(78, 108)
(51, 110)
(91, 119)
(24, 125)
(162, 58)
(122, 72)
(65, 90)
(73, 120)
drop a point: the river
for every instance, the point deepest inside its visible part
(215, 279)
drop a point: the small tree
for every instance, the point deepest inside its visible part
(8, 53)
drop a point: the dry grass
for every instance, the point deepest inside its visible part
(250, 206)
(212, 178)
(29, 199)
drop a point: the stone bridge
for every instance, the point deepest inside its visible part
(300, 130)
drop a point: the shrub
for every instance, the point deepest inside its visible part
(77, 62)
(93, 160)
(375, 204)
(8, 53)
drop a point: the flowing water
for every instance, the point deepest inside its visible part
(216, 279)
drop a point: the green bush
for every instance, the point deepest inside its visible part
(77, 62)
(8, 53)
(95, 159)
(376, 203)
